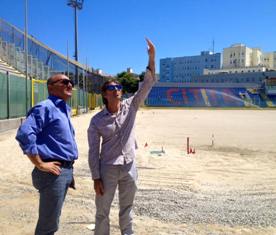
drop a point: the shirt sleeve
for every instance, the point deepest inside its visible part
(94, 150)
(30, 128)
(140, 96)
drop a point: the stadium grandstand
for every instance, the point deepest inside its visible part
(247, 89)
(18, 94)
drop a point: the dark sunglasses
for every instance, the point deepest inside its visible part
(113, 87)
(64, 82)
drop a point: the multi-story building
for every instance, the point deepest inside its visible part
(269, 60)
(252, 69)
(241, 56)
(182, 69)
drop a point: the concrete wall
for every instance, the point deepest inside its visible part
(9, 124)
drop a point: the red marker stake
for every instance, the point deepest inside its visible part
(188, 145)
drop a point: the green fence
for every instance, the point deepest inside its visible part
(40, 91)
(3, 96)
(18, 96)
(13, 96)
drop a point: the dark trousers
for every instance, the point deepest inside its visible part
(52, 190)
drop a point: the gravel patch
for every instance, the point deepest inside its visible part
(231, 208)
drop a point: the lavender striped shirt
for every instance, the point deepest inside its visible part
(111, 137)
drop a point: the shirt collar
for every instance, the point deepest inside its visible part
(106, 112)
(57, 101)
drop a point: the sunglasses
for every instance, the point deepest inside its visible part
(64, 82)
(114, 87)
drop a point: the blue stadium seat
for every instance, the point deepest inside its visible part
(194, 97)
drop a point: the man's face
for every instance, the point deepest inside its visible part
(60, 86)
(113, 92)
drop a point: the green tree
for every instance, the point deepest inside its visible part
(129, 81)
(141, 76)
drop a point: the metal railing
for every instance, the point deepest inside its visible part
(15, 57)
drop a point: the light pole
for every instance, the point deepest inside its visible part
(77, 5)
(26, 51)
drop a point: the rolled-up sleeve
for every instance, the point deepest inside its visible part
(30, 128)
(94, 150)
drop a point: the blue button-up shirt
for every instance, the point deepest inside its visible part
(48, 132)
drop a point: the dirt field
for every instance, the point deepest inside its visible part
(227, 188)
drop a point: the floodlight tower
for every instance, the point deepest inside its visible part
(77, 5)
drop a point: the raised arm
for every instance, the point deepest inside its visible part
(149, 78)
(151, 53)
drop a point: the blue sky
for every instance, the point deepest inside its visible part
(112, 32)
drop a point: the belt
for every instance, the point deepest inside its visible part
(64, 164)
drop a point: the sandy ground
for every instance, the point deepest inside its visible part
(227, 188)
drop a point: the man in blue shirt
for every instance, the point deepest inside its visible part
(47, 137)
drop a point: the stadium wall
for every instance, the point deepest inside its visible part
(208, 97)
